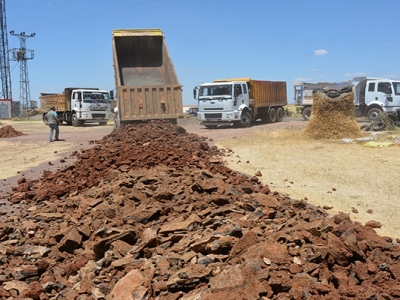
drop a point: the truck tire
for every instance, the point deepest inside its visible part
(103, 123)
(373, 114)
(279, 114)
(245, 119)
(74, 120)
(378, 126)
(306, 113)
(272, 115)
(394, 120)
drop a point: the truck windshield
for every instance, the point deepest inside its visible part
(90, 97)
(216, 90)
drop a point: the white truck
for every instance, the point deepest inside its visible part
(372, 96)
(226, 102)
(77, 106)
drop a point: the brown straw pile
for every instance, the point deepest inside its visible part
(332, 118)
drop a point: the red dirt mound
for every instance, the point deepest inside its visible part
(151, 212)
(8, 132)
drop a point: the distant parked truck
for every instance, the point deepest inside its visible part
(146, 82)
(372, 96)
(240, 101)
(303, 94)
(77, 106)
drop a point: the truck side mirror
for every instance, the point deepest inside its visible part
(194, 93)
(112, 95)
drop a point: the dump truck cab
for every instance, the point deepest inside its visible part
(374, 96)
(225, 102)
(222, 101)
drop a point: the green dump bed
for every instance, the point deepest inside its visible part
(146, 82)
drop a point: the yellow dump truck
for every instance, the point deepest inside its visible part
(240, 101)
(146, 83)
(77, 106)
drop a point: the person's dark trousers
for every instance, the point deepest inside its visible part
(56, 129)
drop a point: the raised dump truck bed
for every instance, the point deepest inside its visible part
(146, 82)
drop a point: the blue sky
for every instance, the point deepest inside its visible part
(283, 40)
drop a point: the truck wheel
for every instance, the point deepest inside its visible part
(74, 120)
(279, 114)
(272, 115)
(373, 114)
(245, 119)
(307, 113)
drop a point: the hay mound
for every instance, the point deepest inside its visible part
(332, 118)
(8, 132)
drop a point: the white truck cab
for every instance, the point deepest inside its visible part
(240, 101)
(373, 96)
(222, 101)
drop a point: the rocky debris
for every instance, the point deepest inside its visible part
(151, 212)
(9, 132)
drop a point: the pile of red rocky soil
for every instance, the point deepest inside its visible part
(9, 132)
(151, 212)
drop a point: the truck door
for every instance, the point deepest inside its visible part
(76, 100)
(396, 94)
(298, 94)
(370, 93)
(380, 92)
(385, 92)
(239, 96)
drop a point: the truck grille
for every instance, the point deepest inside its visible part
(213, 116)
(98, 108)
(98, 115)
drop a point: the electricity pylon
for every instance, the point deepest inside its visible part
(22, 55)
(5, 76)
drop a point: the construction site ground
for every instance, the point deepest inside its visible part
(29, 155)
(154, 212)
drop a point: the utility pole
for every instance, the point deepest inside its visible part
(5, 76)
(22, 55)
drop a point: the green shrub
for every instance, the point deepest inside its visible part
(288, 112)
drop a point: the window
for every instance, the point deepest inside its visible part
(244, 88)
(396, 86)
(385, 87)
(238, 90)
(371, 87)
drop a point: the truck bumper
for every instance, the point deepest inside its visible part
(217, 117)
(217, 123)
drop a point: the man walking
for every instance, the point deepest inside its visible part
(53, 121)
